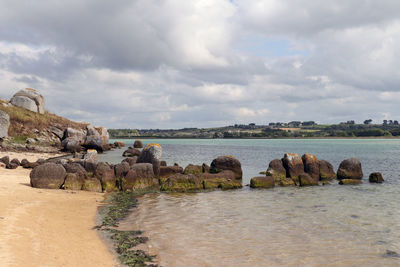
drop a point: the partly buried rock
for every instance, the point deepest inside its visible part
(193, 169)
(293, 165)
(167, 171)
(350, 181)
(73, 181)
(48, 175)
(138, 144)
(107, 177)
(151, 154)
(224, 180)
(140, 176)
(311, 165)
(376, 177)
(29, 99)
(4, 124)
(306, 180)
(229, 163)
(262, 182)
(326, 171)
(92, 185)
(277, 171)
(131, 152)
(182, 183)
(350, 169)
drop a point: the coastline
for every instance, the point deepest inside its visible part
(44, 227)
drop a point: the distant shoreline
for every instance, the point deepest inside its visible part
(249, 138)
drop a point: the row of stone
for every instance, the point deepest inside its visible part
(307, 170)
(5, 162)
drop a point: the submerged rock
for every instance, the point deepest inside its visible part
(223, 180)
(376, 177)
(229, 163)
(350, 169)
(350, 182)
(262, 182)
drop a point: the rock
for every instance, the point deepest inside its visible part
(107, 177)
(2, 165)
(90, 130)
(4, 124)
(16, 161)
(41, 161)
(131, 161)
(30, 99)
(293, 165)
(90, 167)
(311, 165)
(78, 135)
(138, 144)
(224, 180)
(167, 171)
(76, 168)
(376, 177)
(104, 135)
(92, 185)
(5, 160)
(57, 132)
(193, 169)
(71, 145)
(350, 169)
(326, 172)
(12, 166)
(91, 155)
(48, 175)
(350, 181)
(119, 144)
(73, 181)
(229, 163)
(28, 165)
(163, 163)
(131, 152)
(262, 182)
(277, 171)
(306, 180)
(182, 183)
(121, 170)
(140, 176)
(94, 142)
(151, 154)
(30, 141)
(205, 168)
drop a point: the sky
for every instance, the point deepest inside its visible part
(204, 63)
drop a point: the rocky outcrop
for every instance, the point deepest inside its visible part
(151, 154)
(293, 165)
(131, 152)
(262, 182)
(311, 165)
(29, 99)
(4, 124)
(326, 172)
(376, 177)
(48, 175)
(121, 169)
(138, 144)
(229, 163)
(350, 169)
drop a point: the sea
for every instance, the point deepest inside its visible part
(331, 225)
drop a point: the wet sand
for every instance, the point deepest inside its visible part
(41, 227)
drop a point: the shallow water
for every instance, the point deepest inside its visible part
(316, 226)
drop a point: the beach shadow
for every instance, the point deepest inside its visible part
(26, 184)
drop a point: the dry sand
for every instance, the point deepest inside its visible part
(43, 227)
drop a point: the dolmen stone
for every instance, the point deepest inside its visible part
(131, 152)
(140, 176)
(311, 165)
(326, 172)
(376, 177)
(138, 144)
(29, 99)
(152, 154)
(229, 163)
(48, 175)
(4, 124)
(262, 182)
(293, 165)
(350, 169)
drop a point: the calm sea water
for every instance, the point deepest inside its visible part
(315, 226)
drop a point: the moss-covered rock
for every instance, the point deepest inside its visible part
(350, 182)
(167, 171)
(229, 163)
(140, 176)
(350, 169)
(181, 183)
(306, 180)
(193, 169)
(326, 172)
(73, 181)
(92, 185)
(277, 171)
(262, 182)
(311, 165)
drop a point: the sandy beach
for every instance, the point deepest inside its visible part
(41, 227)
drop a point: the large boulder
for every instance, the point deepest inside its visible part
(29, 99)
(94, 142)
(229, 163)
(293, 165)
(311, 165)
(140, 176)
(376, 177)
(48, 175)
(151, 154)
(277, 171)
(182, 183)
(138, 144)
(73, 181)
(71, 145)
(4, 124)
(131, 152)
(326, 171)
(262, 182)
(350, 169)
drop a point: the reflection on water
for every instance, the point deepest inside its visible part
(317, 226)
